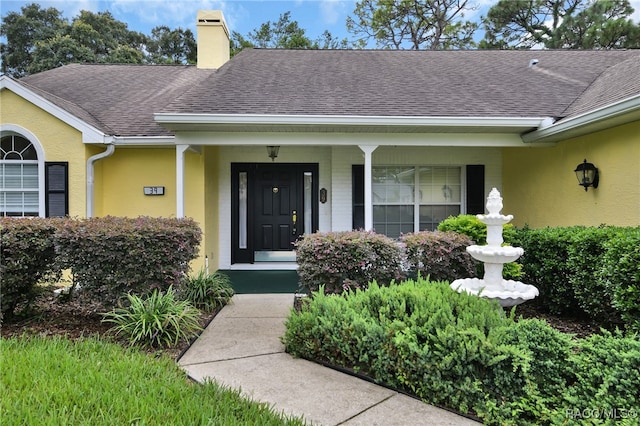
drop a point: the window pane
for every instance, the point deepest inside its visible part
(242, 209)
(440, 185)
(393, 220)
(308, 211)
(431, 216)
(393, 185)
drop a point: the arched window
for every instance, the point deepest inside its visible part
(19, 177)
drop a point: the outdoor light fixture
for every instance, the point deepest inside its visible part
(587, 175)
(272, 151)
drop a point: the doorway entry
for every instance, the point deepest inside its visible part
(272, 206)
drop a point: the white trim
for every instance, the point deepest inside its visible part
(144, 140)
(90, 191)
(595, 117)
(345, 120)
(180, 150)
(21, 131)
(350, 139)
(90, 134)
(368, 191)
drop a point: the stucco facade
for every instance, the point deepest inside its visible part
(540, 188)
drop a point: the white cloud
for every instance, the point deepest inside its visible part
(333, 11)
(174, 13)
(636, 14)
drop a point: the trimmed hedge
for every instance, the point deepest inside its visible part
(340, 261)
(439, 255)
(27, 257)
(620, 275)
(580, 271)
(111, 257)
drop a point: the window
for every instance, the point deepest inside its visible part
(411, 198)
(28, 185)
(19, 177)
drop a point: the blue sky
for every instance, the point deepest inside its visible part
(243, 16)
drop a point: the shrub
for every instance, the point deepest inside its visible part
(585, 260)
(419, 336)
(113, 256)
(620, 275)
(347, 260)
(605, 369)
(471, 226)
(439, 255)
(27, 256)
(208, 292)
(545, 264)
(158, 320)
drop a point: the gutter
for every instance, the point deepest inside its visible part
(90, 162)
(342, 120)
(554, 132)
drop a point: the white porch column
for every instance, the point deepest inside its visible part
(180, 150)
(368, 199)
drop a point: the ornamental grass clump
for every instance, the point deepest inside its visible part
(157, 320)
(208, 292)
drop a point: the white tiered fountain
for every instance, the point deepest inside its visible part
(494, 255)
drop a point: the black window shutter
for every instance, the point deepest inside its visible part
(357, 191)
(56, 187)
(475, 189)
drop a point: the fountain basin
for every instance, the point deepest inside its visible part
(508, 292)
(490, 254)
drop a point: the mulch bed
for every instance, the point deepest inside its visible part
(75, 319)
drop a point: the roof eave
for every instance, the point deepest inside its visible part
(621, 112)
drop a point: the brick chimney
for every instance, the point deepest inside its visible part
(213, 39)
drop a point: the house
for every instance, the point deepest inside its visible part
(273, 144)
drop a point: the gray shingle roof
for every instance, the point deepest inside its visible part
(616, 83)
(399, 83)
(121, 99)
(117, 99)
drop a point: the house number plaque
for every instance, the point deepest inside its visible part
(154, 190)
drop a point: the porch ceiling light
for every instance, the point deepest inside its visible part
(272, 151)
(587, 175)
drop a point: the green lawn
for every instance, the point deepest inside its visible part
(55, 381)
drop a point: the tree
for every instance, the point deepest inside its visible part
(561, 24)
(104, 36)
(413, 24)
(284, 34)
(167, 46)
(22, 31)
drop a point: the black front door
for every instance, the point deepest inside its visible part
(277, 208)
(272, 205)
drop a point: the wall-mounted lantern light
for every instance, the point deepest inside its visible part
(272, 151)
(587, 175)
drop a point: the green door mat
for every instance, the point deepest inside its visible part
(256, 282)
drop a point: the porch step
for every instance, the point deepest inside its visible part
(256, 282)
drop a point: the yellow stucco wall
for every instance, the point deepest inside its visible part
(59, 141)
(540, 188)
(121, 178)
(212, 206)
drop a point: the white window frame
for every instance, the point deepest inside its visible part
(15, 130)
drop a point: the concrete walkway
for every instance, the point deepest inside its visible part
(241, 349)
